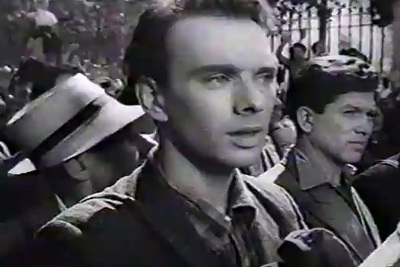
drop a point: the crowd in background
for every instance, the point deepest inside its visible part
(43, 46)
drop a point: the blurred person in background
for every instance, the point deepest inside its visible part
(297, 54)
(44, 42)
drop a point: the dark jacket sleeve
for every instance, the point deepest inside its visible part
(64, 241)
(379, 188)
(59, 244)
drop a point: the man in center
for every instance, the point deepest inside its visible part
(206, 76)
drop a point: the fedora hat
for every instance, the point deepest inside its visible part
(68, 120)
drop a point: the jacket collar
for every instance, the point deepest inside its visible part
(313, 172)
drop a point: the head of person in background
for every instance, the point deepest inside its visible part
(318, 49)
(282, 130)
(277, 112)
(333, 105)
(38, 77)
(298, 52)
(284, 135)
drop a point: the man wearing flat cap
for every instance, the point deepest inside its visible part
(333, 106)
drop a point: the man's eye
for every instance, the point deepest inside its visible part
(217, 79)
(265, 77)
(373, 114)
(350, 112)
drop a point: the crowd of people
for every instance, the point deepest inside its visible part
(210, 149)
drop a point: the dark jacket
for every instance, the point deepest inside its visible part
(26, 203)
(133, 224)
(379, 187)
(320, 207)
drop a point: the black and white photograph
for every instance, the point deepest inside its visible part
(200, 133)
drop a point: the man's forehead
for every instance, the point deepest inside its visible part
(218, 40)
(356, 99)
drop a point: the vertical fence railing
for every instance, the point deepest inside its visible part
(383, 39)
(360, 22)
(352, 22)
(309, 25)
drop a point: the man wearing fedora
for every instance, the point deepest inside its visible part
(332, 103)
(187, 205)
(80, 140)
(71, 125)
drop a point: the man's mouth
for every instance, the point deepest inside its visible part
(358, 145)
(247, 137)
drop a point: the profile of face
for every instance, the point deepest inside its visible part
(221, 90)
(299, 53)
(106, 163)
(319, 49)
(342, 131)
(284, 134)
(277, 113)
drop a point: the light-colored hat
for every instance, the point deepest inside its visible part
(68, 120)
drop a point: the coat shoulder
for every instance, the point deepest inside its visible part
(383, 169)
(278, 202)
(69, 223)
(272, 191)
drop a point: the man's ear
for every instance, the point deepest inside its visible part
(305, 119)
(150, 98)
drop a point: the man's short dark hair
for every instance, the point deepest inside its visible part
(323, 79)
(296, 45)
(42, 76)
(147, 55)
(314, 46)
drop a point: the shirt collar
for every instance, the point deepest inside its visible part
(241, 201)
(312, 173)
(241, 204)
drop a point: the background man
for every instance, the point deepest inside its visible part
(333, 105)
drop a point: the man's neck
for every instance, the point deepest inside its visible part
(191, 180)
(320, 161)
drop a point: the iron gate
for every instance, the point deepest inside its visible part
(352, 22)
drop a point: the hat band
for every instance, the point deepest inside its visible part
(69, 127)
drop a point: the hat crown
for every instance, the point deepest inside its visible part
(43, 116)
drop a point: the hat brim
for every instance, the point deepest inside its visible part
(110, 119)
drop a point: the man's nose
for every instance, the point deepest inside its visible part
(248, 98)
(365, 126)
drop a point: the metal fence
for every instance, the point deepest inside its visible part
(351, 23)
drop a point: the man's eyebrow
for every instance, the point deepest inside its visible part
(225, 68)
(350, 106)
(228, 68)
(271, 70)
(360, 108)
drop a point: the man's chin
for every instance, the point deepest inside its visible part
(352, 158)
(241, 159)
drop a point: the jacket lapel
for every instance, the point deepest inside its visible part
(367, 218)
(319, 205)
(337, 217)
(166, 215)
